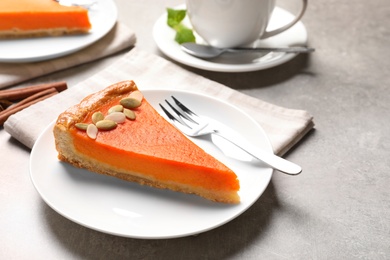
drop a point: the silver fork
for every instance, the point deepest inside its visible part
(193, 125)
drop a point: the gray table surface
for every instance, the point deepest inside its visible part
(338, 208)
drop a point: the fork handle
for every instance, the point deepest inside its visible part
(272, 160)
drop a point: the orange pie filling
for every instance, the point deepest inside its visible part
(133, 153)
(29, 18)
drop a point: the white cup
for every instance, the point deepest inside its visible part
(233, 23)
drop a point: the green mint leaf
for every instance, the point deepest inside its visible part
(183, 34)
(175, 17)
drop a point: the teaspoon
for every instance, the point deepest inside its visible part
(207, 52)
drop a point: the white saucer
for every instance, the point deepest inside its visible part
(127, 209)
(103, 16)
(164, 37)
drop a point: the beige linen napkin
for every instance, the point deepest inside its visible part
(119, 38)
(284, 127)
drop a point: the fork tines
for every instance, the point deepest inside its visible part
(183, 107)
(180, 110)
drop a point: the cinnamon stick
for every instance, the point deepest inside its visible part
(21, 93)
(18, 107)
(35, 96)
(4, 104)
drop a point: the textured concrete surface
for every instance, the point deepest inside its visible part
(338, 208)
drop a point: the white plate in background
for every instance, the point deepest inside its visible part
(102, 15)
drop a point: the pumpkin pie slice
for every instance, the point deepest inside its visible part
(137, 144)
(33, 18)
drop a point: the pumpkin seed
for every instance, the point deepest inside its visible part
(81, 126)
(129, 113)
(130, 102)
(118, 117)
(97, 116)
(137, 95)
(106, 124)
(92, 131)
(117, 108)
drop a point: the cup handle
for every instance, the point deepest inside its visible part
(287, 26)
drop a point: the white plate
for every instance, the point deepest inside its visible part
(164, 37)
(103, 16)
(127, 209)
